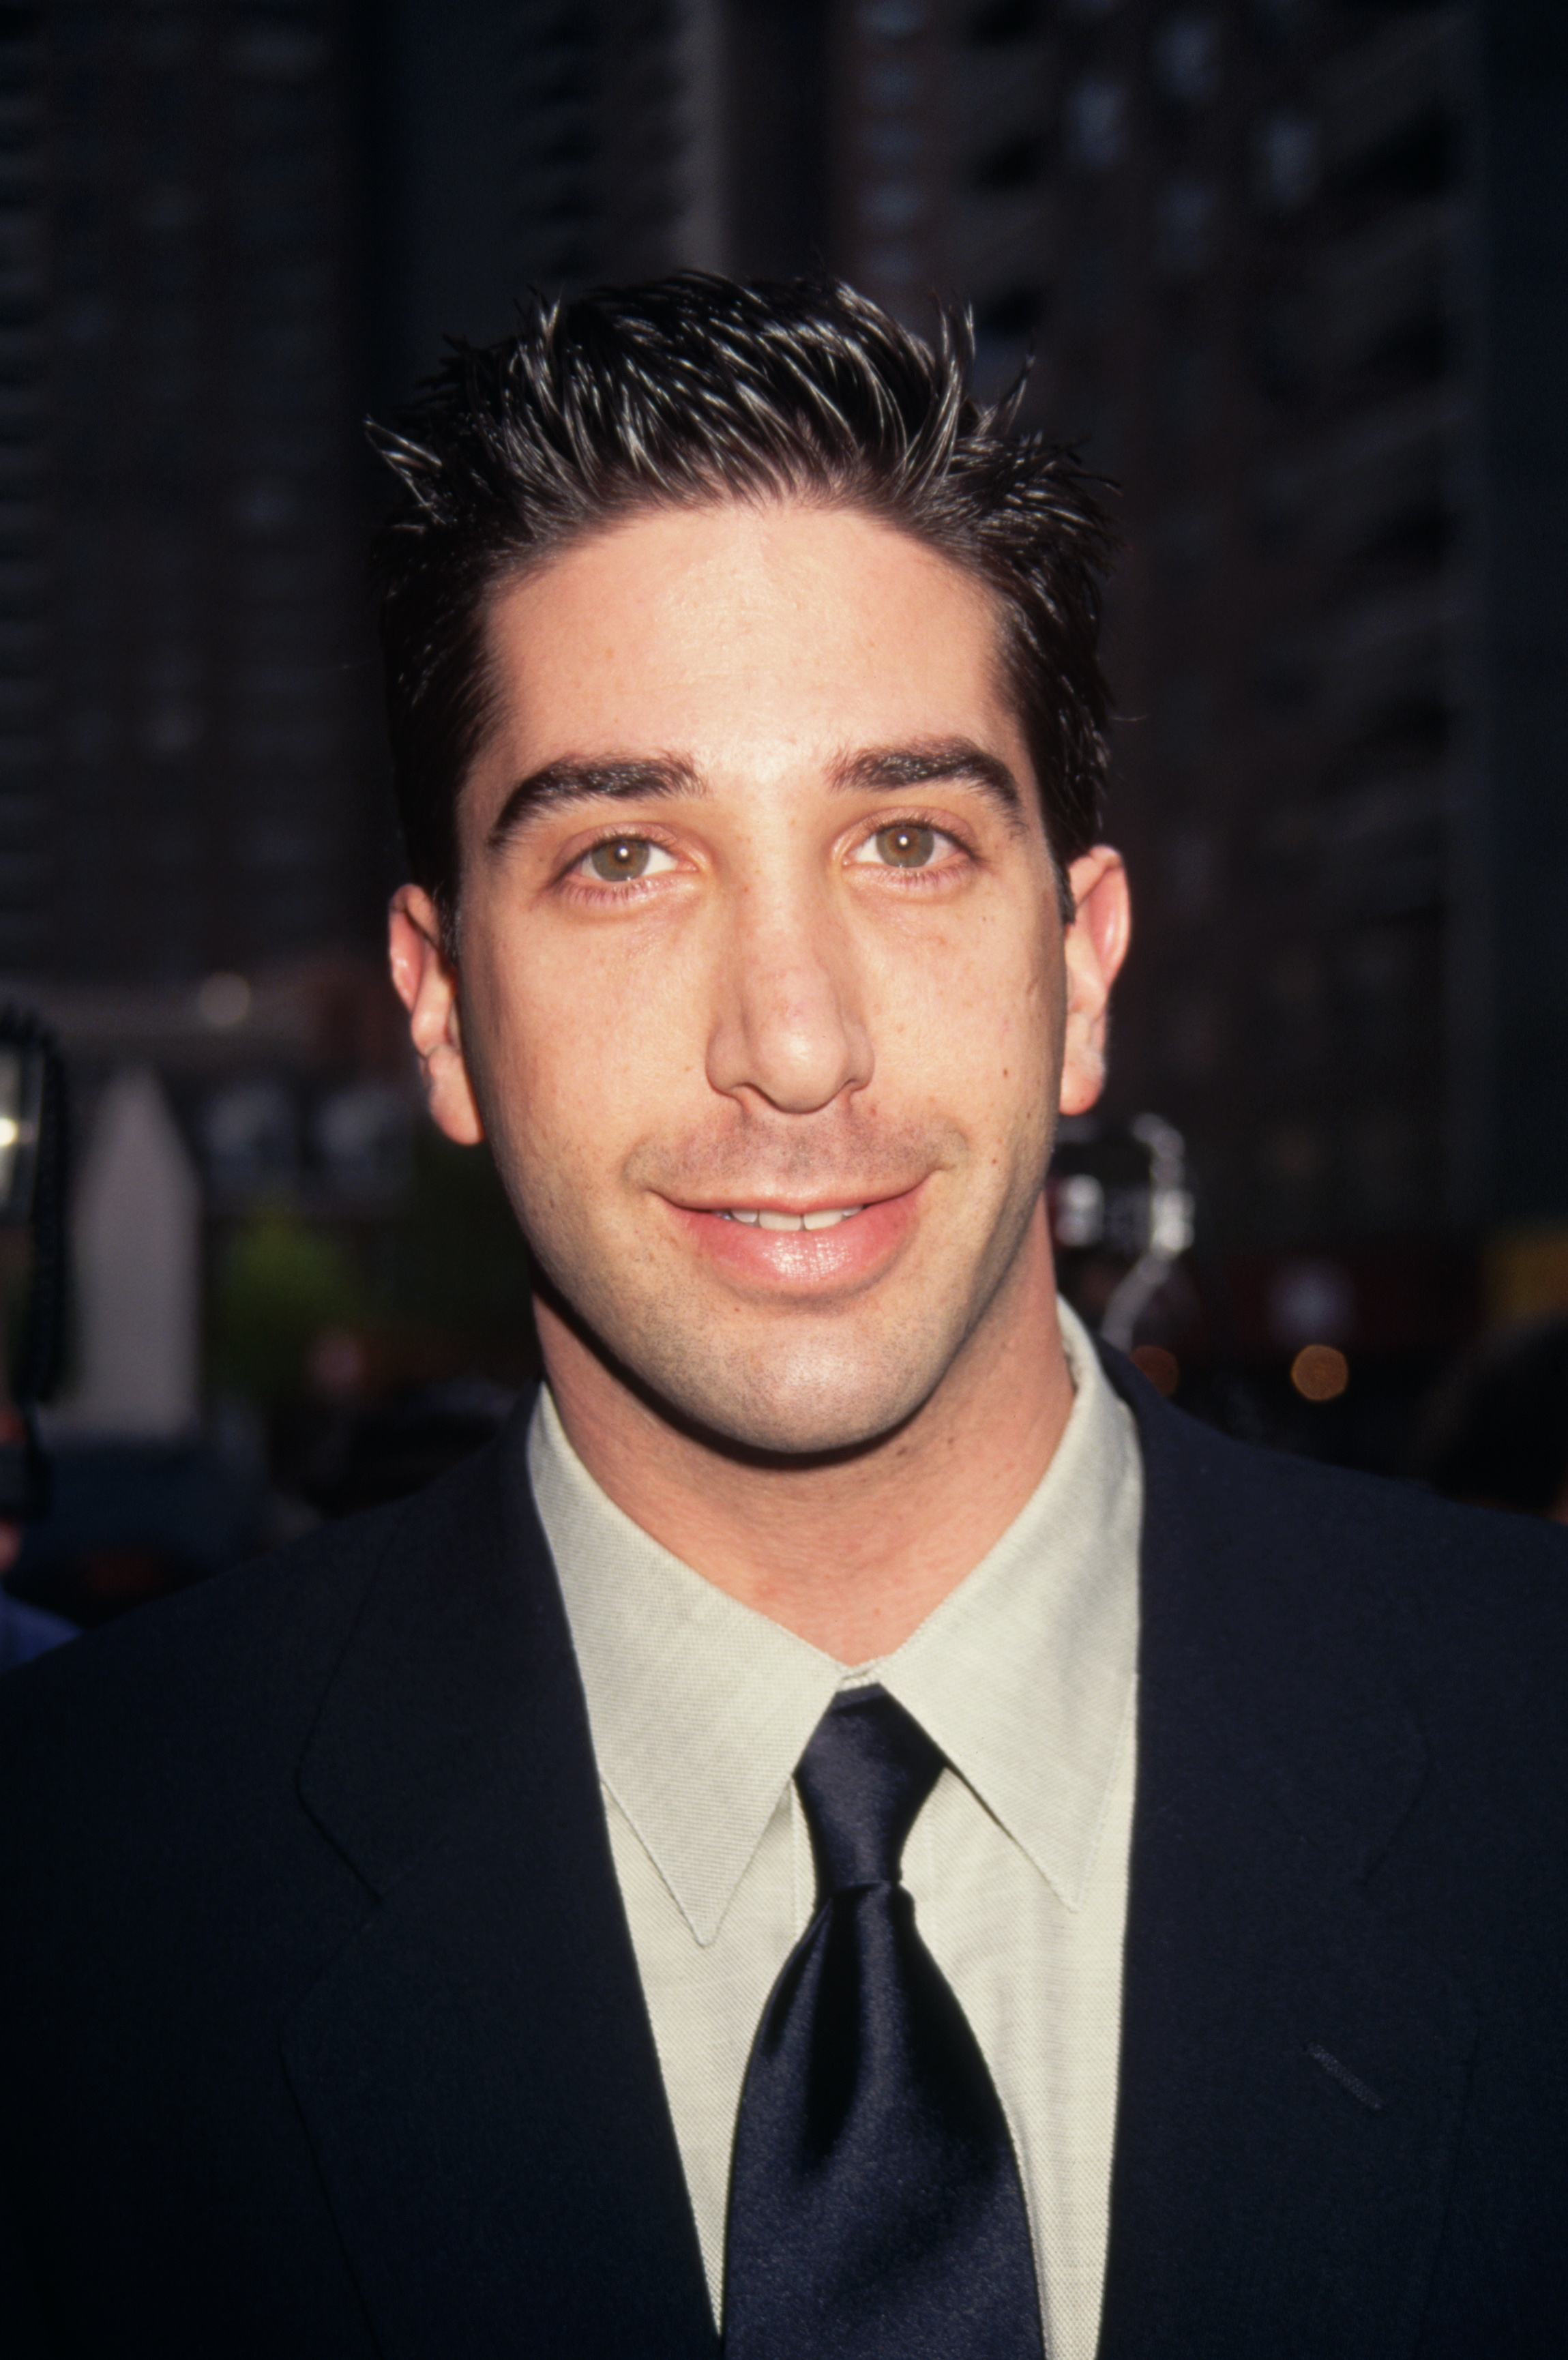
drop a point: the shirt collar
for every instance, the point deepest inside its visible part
(700, 1708)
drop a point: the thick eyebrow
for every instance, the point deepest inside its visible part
(927, 762)
(560, 785)
(570, 780)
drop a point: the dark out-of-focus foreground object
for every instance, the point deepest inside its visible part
(379, 1451)
(1496, 1432)
(33, 1149)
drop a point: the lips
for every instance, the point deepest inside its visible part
(797, 1250)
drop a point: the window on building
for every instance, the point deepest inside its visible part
(1184, 723)
(1016, 163)
(1278, 341)
(1003, 21)
(1014, 311)
(1098, 122)
(1278, 25)
(1184, 387)
(1422, 160)
(1186, 228)
(1278, 505)
(1285, 161)
(1185, 55)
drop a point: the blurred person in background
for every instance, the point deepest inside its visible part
(24, 1630)
(1496, 1432)
(853, 1828)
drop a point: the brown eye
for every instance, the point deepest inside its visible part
(623, 856)
(904, 847)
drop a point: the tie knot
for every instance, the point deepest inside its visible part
(868, 1768)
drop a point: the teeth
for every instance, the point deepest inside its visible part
(828, 1219)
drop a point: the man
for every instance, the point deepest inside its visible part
(854, 1820)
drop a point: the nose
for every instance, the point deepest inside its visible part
(788, 1023)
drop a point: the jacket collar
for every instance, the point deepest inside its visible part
(475, 2068)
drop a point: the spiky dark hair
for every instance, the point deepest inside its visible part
(696, 388)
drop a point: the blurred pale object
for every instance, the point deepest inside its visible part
(223, 1002)
(21, 1102)
(136, 1230)
(1310, 1303)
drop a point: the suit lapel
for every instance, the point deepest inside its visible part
(475, 2068)
(1292, 2070)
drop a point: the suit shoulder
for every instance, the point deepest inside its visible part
(301, 1578)
(257, 1644)
(1400, 1523)
(1273, 1483)
(1359, 1561)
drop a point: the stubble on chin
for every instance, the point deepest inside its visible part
(798, 1390)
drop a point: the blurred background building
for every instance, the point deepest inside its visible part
(186, 765)
(1295, 273)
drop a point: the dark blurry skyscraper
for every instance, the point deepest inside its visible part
(544, 143)
(1264, 318)
(25, 538)
(229, 227)
(184, 756)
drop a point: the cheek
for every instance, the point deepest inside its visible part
(977, 1012)
(567, 1055)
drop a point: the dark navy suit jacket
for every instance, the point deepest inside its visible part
(324, 2034)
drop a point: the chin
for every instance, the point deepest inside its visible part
(794, 1406)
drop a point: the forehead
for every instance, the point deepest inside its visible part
(731, 628)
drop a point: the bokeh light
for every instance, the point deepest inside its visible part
(1319, 1372)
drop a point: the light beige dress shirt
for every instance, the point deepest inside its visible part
(1025, 1678)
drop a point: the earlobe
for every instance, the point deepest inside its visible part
(426, 983)
(1093, 948)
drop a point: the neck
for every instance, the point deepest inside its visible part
(853, 1553)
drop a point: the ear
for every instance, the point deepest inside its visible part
(426, 982)
(1094, 947)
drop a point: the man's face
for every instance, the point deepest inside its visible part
(761, 998)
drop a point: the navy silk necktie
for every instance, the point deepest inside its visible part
(876, 2209)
